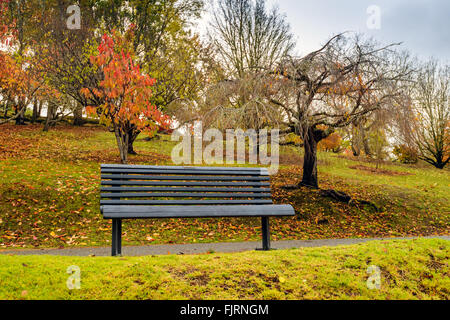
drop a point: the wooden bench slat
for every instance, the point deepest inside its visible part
(185, 183)
(136, 212)
(185, 202)
(184, 195)
(195, 178)
(163, 168)
(184, 171)
(183, 189)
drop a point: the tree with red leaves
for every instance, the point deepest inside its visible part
(124, 91)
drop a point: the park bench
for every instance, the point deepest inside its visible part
(138, 191)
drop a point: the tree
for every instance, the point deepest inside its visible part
(20, 84)
(63, 54)
(248, 37)
(164, 46)
(42, 43)
(406, 154)
(331, 143)
(124, 91)
(345, 80)
(248, 40)
(431, 125)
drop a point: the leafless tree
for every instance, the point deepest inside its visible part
(248, 40)
(347, 79)
(248, 37)
(431, 125)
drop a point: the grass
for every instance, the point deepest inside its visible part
(49, 196)
(409, 269)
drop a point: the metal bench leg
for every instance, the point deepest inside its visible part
(265, 233)
(116, 237)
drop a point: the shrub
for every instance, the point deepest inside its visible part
(332, 143)
(406, 154)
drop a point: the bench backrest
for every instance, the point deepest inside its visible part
(172, 185)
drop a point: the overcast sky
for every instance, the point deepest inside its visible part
(422, 25)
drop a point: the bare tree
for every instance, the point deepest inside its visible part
(431, 125)
(248, 40)
(248, 37)
(345, 80)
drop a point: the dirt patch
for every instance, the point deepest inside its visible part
(380, 171)
(192, 275)
(290, 159)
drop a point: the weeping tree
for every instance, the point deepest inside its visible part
(349, 78)
(246, 41)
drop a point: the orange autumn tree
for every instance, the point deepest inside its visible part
(124, 91)
(20, 84)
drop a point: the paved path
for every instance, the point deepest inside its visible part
(196, 247)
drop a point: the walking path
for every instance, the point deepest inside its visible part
(195, 248)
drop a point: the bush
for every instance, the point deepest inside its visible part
(332, 143)
(293, 139)
(406, 154)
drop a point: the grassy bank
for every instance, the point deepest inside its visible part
(49, 195)
(409, 269)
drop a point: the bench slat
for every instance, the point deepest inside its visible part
(135, 212)
(163, 168)
(180, 202)
(185, 195)
(195, 178)
(184, 171)
(183, 189)
(185, 183)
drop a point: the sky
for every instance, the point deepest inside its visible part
(423, 26)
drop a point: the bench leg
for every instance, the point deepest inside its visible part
(265, 233)
(116, 237)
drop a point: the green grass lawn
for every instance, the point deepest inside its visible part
(409, 269)
(49, 195)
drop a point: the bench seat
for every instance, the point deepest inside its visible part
(142, 192)
(137, 212)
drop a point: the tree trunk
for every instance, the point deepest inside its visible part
(78, 115)
(47, 120)
(132, 135)
(130, 148)
(365, 142)
(50, 120)
(356, 140)
(39, 110)
(35, 111)
(21, 110)
(439, 163)
(122, 144)
(6, 109)
(310, 159)
(355, 151)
